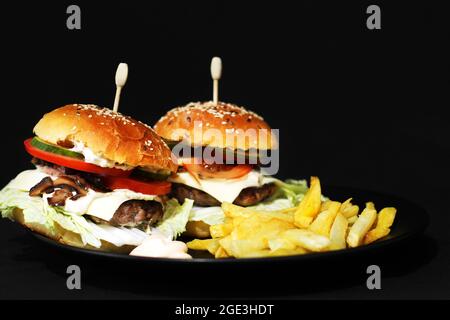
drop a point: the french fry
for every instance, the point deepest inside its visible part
(281, 244)
(221, 230)
(370, 205)
(313, 226)
(338, 233)
(225, 244)
(221, 253)
(309, 207)
(234, 211)
(352, 220)
(306, 239)
(325, 205)
(287, 252)
(361, 226)
(322, 224)
(384, 222)
(204, 244)
(348, 209)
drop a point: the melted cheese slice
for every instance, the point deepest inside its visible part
(27, 179)
(106, 204)
(224, 190)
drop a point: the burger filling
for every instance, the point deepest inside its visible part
(70, 190)
(210, 185)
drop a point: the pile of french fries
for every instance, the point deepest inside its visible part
(313, 226)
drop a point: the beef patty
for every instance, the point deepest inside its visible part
(135, 213)
(248, 196)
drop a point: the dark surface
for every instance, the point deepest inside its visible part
(358, 108)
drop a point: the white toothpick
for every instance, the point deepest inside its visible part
(216, 72)
(121, 79)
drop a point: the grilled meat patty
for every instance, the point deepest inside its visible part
(134, 213)
(248, 196)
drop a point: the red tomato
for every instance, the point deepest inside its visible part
(217, 171)
(73, 163)
(147, 187)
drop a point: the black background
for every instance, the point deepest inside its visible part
(357, 107)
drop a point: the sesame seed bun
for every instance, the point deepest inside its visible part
(108, 134)
(237, 127)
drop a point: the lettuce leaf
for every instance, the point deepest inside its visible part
(175, 218)
(209, 215)
(36, 210)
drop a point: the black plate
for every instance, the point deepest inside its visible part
(411, 220)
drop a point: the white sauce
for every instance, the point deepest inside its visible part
(159, 246)
(91, 157)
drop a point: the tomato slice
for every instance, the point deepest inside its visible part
(157, 188)
(216, 171)
(73, 163)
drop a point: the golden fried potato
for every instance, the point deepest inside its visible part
(384, 222)
(281, 243)
(312, 226)
(212, 245)
(306, 239)
(361, 226)
(322, 224)
(325, 205)
(221, 230)
(287, 252)
(338, 233)
(234, 211)
(310, 205)
(370, 205)
(221, 253)
(348, 209)
(352, 220)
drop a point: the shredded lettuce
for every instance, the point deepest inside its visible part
(36, 210)
(209, 215)
(175, 218)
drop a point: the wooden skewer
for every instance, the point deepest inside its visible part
(121, 79)
(216, 73)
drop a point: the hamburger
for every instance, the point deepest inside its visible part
(225, 129)
(99, 180)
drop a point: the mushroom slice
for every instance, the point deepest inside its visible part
(41, 187)
(73, 182)
(59, 197)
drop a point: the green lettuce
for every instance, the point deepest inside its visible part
(175, 218)
(209, 215)
(289, 193)
(37, 210)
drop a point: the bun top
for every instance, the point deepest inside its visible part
(108, 134)
(232, 126)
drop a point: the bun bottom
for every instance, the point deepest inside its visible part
(197, 229)
(66, 237)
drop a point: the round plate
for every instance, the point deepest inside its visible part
(411, 220)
